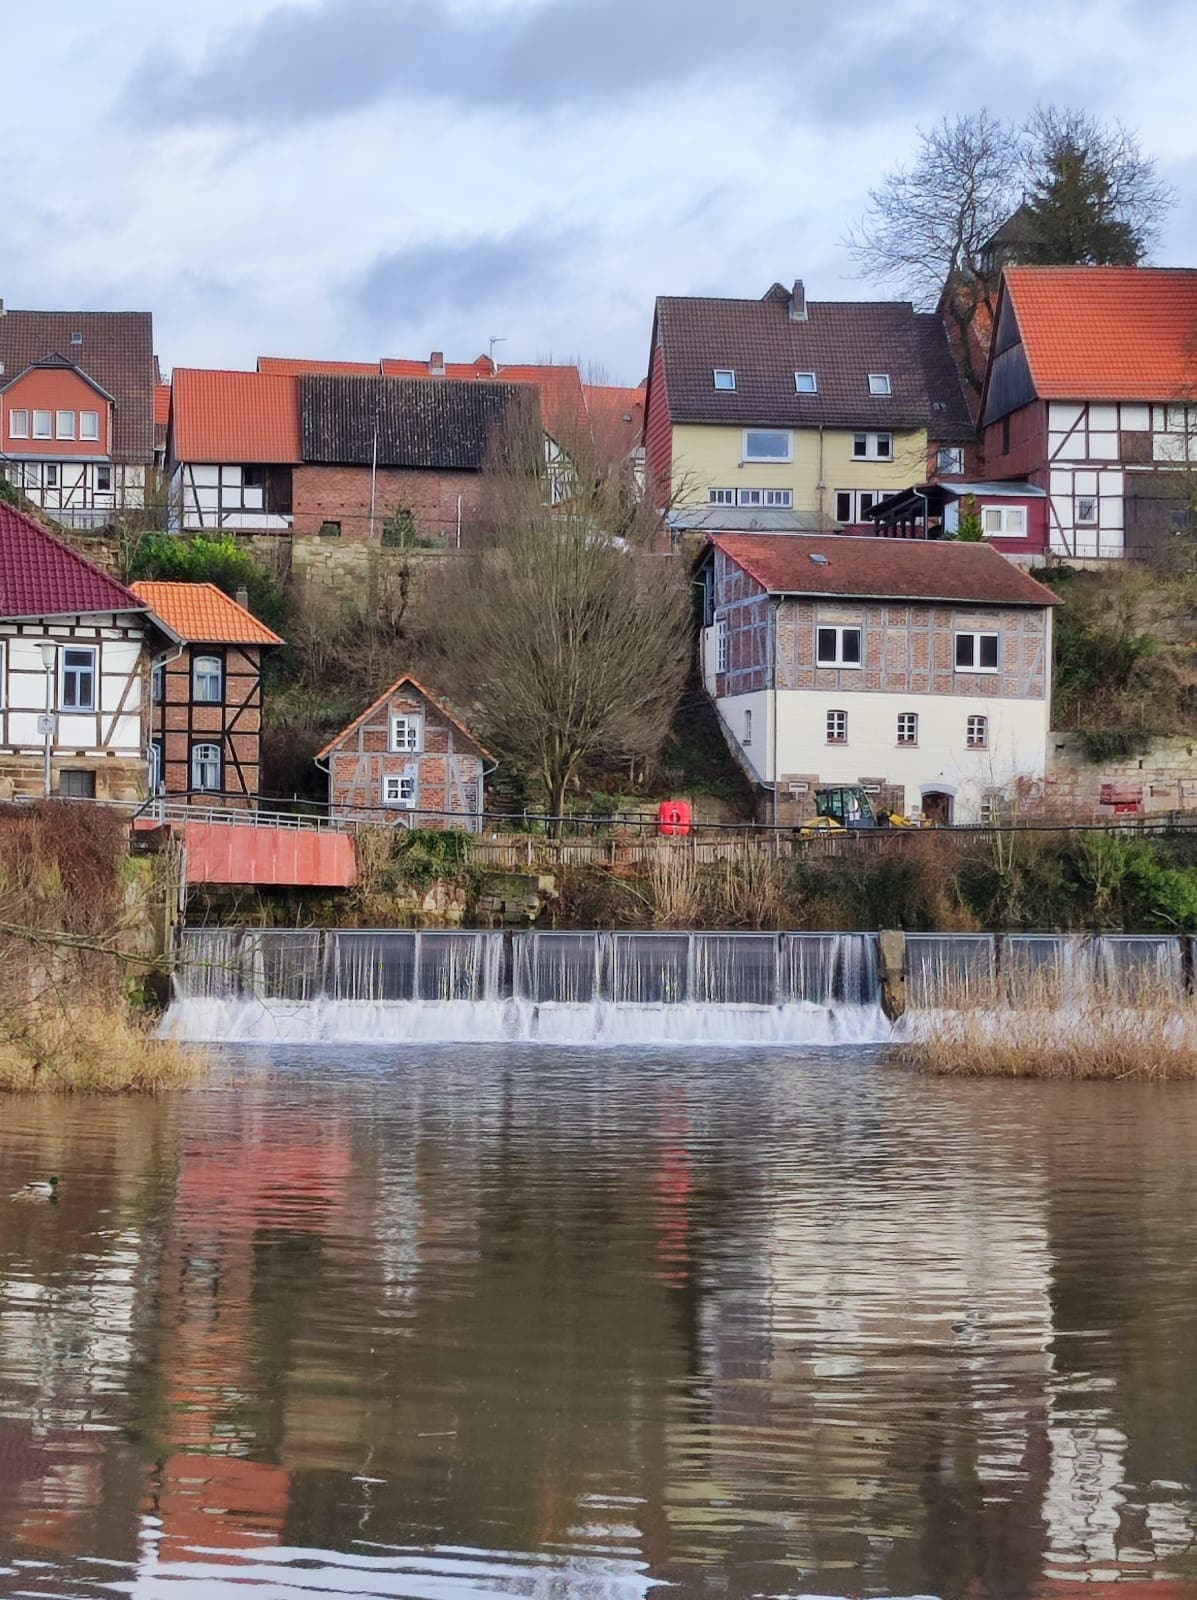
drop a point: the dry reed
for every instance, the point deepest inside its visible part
(91, 1048)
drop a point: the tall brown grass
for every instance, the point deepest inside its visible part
(91, 1047)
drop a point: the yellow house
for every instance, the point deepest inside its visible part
(791, 415)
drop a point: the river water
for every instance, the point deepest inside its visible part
(498, 1319)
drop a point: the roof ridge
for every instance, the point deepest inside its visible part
(406, 677)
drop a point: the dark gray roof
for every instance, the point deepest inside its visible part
(444, 425)
(741, 519)
(116, 352)
(842, 342)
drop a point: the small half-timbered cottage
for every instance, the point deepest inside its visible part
(407, 761)
(75, 654)
(207, 696)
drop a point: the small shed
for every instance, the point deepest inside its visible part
(407, 762)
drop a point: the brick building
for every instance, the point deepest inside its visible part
(409, 762)
(206, 715)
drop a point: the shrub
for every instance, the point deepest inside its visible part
(220, 560)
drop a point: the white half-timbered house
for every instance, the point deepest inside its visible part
(75, 655)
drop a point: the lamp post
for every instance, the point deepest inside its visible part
(49, 652)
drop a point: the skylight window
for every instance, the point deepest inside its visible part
(879, 383)
(725, 378)
(806, 383)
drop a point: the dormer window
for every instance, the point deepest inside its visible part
(725, 378)
(879, 383)
(806, 383)
(76, 338)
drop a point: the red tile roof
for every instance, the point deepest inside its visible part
(616, 416)
(394, 367)
(161, 404)
(234, 416)
(203, 614)
(43, 576)
(882, 569)
(291, 367)
(1107, 333)
(562, 403)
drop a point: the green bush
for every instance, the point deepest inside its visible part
(220, 560)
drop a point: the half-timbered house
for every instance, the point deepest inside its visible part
(75, 654)
(407, 761)
(206, 718)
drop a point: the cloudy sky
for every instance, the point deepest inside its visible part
(361, 177)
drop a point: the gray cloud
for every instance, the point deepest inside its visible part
(302, 64)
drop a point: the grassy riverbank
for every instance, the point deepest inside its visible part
(71, 980)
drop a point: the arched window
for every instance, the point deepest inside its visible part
(207, 679)
(207, 768)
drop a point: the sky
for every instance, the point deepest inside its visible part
(355, 178)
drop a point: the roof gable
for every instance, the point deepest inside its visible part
(408, 678)
(873, 568)
(43, 576)
(1107, 333)
(200, 613)
(57, 363)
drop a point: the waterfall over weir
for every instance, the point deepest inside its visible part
(306, 986)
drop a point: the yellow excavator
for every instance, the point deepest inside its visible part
(849, 806)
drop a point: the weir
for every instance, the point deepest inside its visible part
(377, 986)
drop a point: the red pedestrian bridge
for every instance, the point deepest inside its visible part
(256, 849)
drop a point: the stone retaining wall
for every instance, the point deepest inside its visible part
(1160, 779)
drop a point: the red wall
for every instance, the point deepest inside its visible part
(1028, 444)
(47, 389)
(342, 494)
(658, 436)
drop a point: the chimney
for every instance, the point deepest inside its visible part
(242, 598)
(3, 312)
(436, 364)
(798, 302)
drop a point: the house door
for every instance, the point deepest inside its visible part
(937, 807)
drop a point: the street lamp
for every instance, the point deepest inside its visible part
(45, 723)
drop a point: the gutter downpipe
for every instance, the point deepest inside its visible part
(926, 512)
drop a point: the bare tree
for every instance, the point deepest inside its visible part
(566, 634)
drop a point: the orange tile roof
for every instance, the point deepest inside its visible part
(562, 403)
(1107, 333)
(397, 367)
(161, 404)
(234, 416)
(294, 367)
(201, 613)
(616, 415)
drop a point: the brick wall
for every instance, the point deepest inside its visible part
(342, 495)
(1164, 776)
(448, 768)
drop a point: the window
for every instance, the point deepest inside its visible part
(104, 479)
(206, 768)
(251, 477)
(872, 446)
(765, 497)
(77, 783)
(77, 689)
(725, 378)
(207, 680)
(844, 506)
(806, 383)
(721, 645)
(950, 460)
(398, 790)
(330, 530)
(837, 727)
(18, 424)
(405, 733)
(41, 425)
(976, 733)
(879, 383)
(976, 652)
(1086, 508)
(748, 727)
(908, 727)
(158, 682)
(721, 497)
(49, 474)
(1, 674)
(89, 424)
(767, 444)
(65, 425)
(1005, 436)
(837, 647)
(1008, 522)
(76, 338)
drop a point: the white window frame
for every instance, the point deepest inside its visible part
(768, 433)
(103, 467)
(837, 658)
(158, 683)
(47, 429)
(769, 499)
(2, 676)
(207, 678)
(721, 647)
(976, 732)
(811, 387)
(836, 727)
(50, 475)
(1089, 521)
(723, 372)
(65, 424)
(721, 497)
(747, 740)
(976, 635)
(880, 385)
(21, 432)
(949, 459)
(75, 671)
(201, 761)
(908, 729)
(871, 449)
(1011, 521)
(411, 743)
(393, 786)
(89, 425)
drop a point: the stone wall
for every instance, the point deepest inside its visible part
(1154, 782)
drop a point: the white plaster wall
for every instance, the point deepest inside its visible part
(119, 664)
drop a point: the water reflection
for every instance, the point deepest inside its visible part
(567, 1323)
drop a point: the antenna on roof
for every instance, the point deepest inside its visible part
(495, 338)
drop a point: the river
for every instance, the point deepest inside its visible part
(484, 1319)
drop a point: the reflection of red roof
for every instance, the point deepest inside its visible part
(1107, 333)
(203, 614)
(234, 416)
(43, 576)
(226, 1503)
